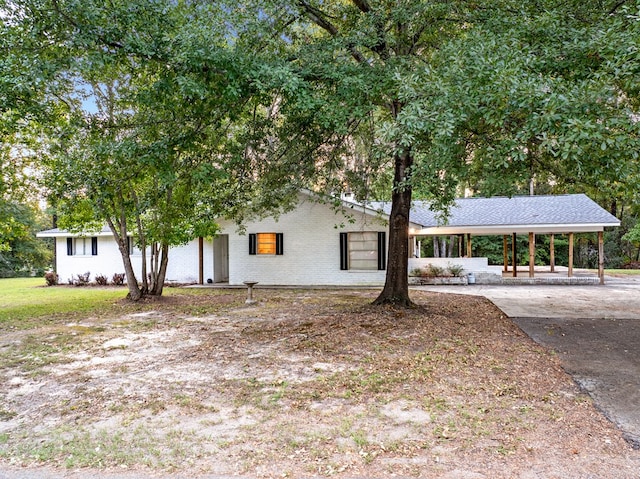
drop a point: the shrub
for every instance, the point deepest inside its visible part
(415, 272)
(118, 279)
(51, 278)
(455, 270)
(433, 271)
(102, 280)
(82, 279)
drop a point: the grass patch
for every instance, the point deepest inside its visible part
(26, 302)
(77, 448)
(620, 272)
(33, 354)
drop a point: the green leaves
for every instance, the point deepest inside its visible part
(532, 95)
(20, 252)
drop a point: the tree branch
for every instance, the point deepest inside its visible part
(617, 6)
(74, 23)
(319, 18)
(362, 5)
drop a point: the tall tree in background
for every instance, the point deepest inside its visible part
(544, 96)
(24, 104)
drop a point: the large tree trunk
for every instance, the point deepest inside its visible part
(120, 235)
(135, 293)
(396, 287)
(159, 274)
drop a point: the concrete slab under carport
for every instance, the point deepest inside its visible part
(595, 329)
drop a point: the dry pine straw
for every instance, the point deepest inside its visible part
(319, 383)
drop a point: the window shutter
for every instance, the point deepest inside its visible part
(279, 243)
(382, 250)
(69, 246)
(252, 243)
(344, 251)
(94, 246)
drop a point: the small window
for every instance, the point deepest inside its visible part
(82, 246)
(266, 243)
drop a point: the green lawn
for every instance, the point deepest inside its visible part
(25, 300)
(618, 272)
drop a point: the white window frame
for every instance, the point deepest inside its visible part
(363, 250)
(82, 246)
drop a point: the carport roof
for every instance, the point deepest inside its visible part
(574, 213)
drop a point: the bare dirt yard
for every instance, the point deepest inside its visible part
(303, 384)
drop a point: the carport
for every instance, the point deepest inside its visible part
(519, 215)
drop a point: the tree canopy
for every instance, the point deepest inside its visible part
(159, 117)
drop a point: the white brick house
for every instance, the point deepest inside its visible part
(311, 245)
(315, 244)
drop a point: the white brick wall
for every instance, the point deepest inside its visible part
(311, 252)
(311, 249)
(182, 267)
(183, 262)
(107, 262)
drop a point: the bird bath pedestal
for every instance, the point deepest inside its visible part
(250, 285)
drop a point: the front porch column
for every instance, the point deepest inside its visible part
(552, 254)
(601, 256)
(201, 260)
(513, 256)
(505, 252)
(532, 254)
(570, 272)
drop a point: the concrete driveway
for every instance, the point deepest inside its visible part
(594, 329)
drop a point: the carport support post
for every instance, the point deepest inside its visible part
(601, 256)
(513, 256)
(468, 245)
(200, 260)
(532, 254)
(570, 272)
(505, 252)
(552, 254)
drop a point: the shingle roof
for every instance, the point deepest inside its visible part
(497, 215)
(105, 231)
(561, 213)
